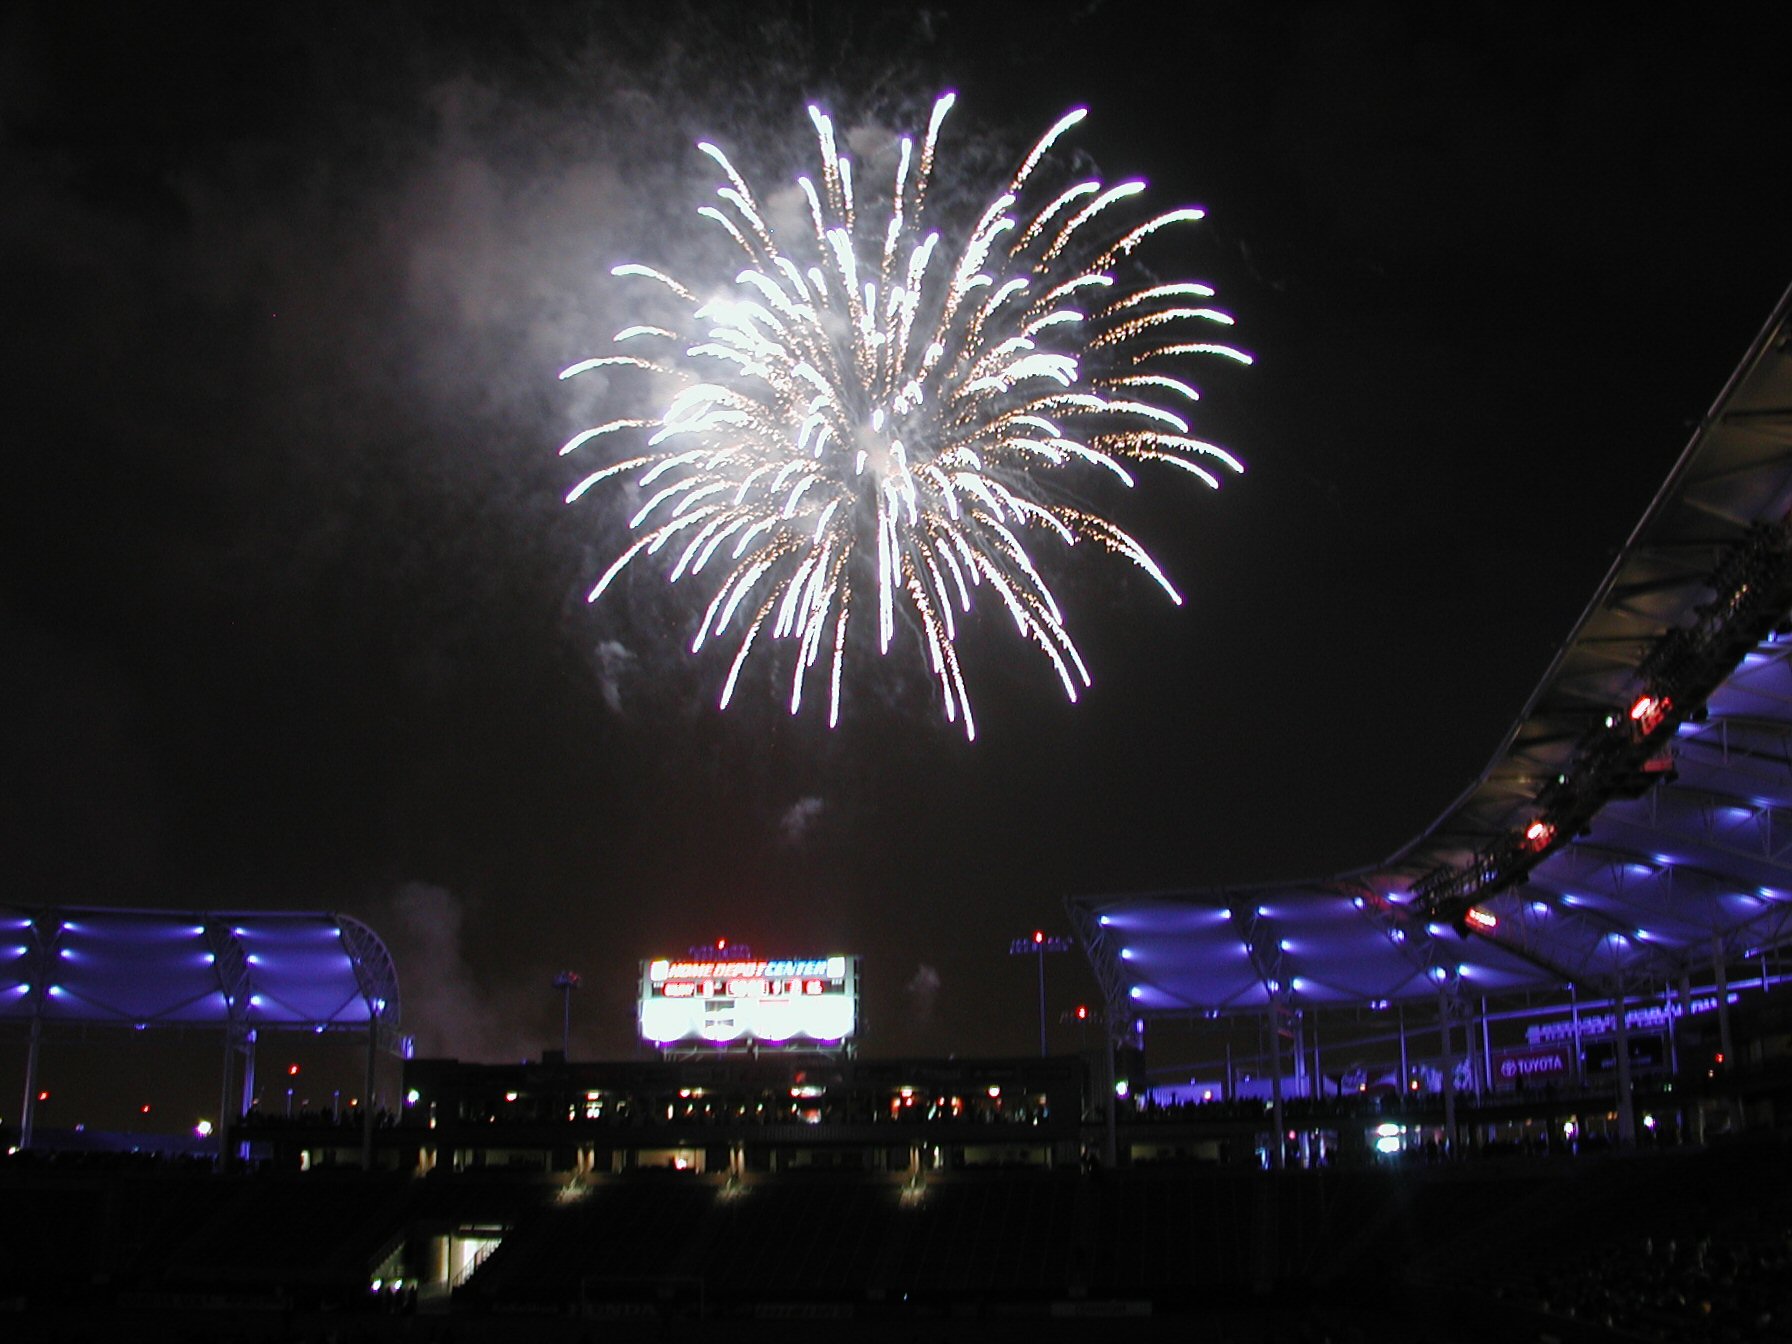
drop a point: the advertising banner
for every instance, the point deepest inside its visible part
(1646, 1052)
(1538, 1065)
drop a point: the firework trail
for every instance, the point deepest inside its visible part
(867, 420)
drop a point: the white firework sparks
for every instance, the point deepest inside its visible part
(864, 411)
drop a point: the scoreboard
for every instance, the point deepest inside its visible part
(782, 1001)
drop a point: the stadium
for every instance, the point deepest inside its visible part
(1319, 1108)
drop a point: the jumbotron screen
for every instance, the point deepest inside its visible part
(813, 1000)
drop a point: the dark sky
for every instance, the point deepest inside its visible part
(292, 614)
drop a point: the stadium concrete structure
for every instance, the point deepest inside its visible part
(1285, 1087)
(1629, 845)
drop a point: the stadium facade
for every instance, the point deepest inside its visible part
(1627, 852)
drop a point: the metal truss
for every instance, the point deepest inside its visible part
(378, 978)
(1104, 959)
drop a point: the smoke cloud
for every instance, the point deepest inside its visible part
(798, 818)
(922, 990)
(445, 1010)
(614, 662)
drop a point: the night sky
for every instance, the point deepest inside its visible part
(293, 615)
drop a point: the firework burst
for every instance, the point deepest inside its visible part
(867, 418)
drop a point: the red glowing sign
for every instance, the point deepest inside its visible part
(1481, 919)
(1648, 712)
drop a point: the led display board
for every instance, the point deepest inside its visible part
(740, 1001)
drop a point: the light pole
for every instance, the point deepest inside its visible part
(1037, 945)
(566, 982)
(1080, 1015)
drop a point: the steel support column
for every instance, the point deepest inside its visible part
(1405, 1067)
(1580, 1076)
(367, 1106)
(28, 1112)
(1278, 1154)
(1110, 1104)
(1449, 1074)
(224, 1126)
(1626, 1107)
(1720, 972)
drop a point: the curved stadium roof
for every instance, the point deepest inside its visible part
(142, 968)
(1635, 825)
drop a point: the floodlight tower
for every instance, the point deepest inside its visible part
(1037, 945)
(566, 982)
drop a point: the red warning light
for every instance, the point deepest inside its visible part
(1082, 1012)
(1538, 835)
(44, 1095)
(1482, 919)
(1038, 936)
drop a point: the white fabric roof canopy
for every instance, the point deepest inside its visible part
(166, 968)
